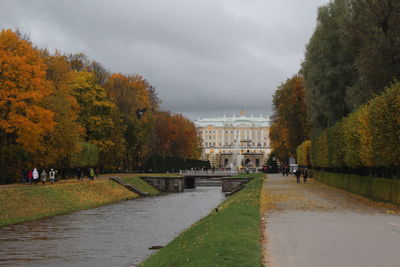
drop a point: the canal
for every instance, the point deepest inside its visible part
(113, 235)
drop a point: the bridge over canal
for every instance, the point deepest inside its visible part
(192, 179)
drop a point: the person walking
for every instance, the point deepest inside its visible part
(43, 176)
(78, 173)
(91, 174)
(298, 174)
(52, 176)
(97, 172)
(305, 175)
(30, 176)
(25, 176)
(35, 176)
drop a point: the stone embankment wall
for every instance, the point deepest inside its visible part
(166, 184)
(229, 184)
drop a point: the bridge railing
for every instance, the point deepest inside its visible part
(209, 171)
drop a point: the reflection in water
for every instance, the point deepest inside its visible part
(113, 235)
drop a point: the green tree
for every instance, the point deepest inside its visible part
(328, 66)
(374, 31)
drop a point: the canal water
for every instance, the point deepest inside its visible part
(113, 235)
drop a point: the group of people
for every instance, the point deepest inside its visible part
(299, 173)
(91, 173)
(285, 170)
(33, 176)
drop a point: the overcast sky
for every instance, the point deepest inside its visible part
(205, 57)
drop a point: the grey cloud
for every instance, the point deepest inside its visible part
(205, 57)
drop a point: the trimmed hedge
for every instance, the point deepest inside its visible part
(303, 154)
(381, 189)
(368, 138)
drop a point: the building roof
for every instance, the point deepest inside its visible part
(241, 121)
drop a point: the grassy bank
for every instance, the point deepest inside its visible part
(27, 203)
(136, 181)
(229, 237)
(381, 189)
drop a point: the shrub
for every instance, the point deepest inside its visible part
(303, 154)
(368, 137)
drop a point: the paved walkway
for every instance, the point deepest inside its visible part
(316, 225)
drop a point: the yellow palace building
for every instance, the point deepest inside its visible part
(224, 138)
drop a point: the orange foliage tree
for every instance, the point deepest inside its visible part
(23, 87)
(290, 127)
(175, 136)
(24, 121)
(66, 111)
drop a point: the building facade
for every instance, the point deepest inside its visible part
(237, 142)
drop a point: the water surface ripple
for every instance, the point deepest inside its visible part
(113, 235)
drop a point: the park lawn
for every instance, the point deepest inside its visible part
(136, 181)
(27, 203)
(227, 237)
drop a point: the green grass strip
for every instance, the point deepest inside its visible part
(229, 237)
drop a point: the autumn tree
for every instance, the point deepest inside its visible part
(132, 96)
(24, 121)
(65, 111)
(278, 135)
(97, 114)
(64, 142)
(78, 61)
(165, 132)
(99, 71)
(175, 136)
(290, 126)
(186, 143)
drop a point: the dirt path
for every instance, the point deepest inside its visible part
(316, 225)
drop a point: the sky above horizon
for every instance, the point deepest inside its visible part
(206, 58)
